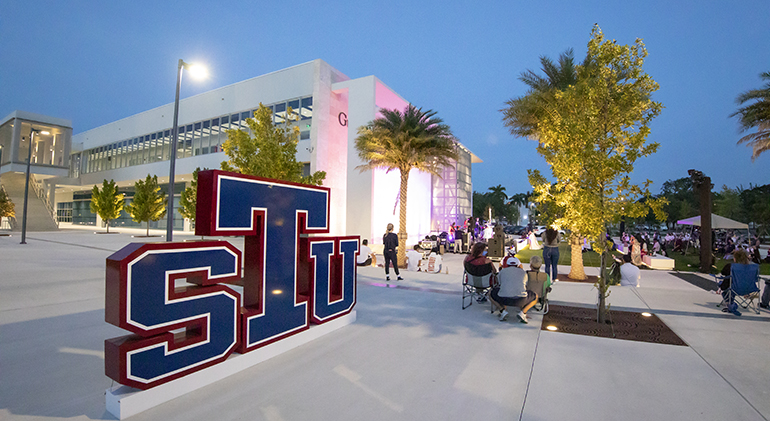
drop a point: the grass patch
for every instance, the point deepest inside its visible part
(590, 258)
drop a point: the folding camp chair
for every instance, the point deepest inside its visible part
(539, 283)
(476, 287)
(744, 286)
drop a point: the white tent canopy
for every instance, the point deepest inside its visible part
(717, 222)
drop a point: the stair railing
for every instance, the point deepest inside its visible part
(38, 188)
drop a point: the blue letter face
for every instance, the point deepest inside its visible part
(272, 215)
(142, 298)
(332, 263)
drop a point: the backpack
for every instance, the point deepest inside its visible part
(613, 274)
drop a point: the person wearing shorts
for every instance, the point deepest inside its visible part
(512, 291)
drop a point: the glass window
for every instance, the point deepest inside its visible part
(197, 133)
(294, 106)
(205, 136)
(165, 146)
(188, 141)
(280, 113)
(180, 142)
(306, 112)
(153, 147)
(6, 133)
(304, 135)
(214, 144)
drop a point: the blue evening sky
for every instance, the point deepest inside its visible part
(95, 62)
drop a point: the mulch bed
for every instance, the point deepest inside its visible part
(624, 325)
(590, 279)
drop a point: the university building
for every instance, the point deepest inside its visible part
(327, 106)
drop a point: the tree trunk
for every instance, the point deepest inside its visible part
(148, 228)
(576, 270)
(402, 219)
(602, 289)
(108, 226)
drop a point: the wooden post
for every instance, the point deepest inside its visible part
(703, 187)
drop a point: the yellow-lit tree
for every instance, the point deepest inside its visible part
(107, 202)
(270, 151)
(591, 134)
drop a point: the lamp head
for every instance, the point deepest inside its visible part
(197, 71)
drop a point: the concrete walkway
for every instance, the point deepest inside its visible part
(412, 354)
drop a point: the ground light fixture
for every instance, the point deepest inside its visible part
(645, 314)
(198, 72)
(552, 328)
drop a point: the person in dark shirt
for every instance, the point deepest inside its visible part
(390, 244)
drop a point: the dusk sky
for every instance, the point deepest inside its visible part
(94, 62)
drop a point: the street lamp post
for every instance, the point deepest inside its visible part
(174, 139)
(26, 188)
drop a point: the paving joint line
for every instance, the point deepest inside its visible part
(72, 244)
(531, 370)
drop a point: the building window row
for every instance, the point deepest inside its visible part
(199, 138)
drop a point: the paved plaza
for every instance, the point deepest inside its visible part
(412, 354)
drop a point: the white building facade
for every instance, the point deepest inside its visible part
(328, 107)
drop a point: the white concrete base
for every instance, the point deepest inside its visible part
(659, 262)
(124, 401)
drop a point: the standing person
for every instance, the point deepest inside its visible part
(551, 239)
(636, 251)
(390, 244)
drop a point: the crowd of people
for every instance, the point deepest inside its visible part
(511, 281)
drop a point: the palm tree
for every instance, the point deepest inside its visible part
(498, 198)
(402, 141)
(755, 115)
(523, 114)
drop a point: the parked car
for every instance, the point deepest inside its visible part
(512, 229)
(539, 229)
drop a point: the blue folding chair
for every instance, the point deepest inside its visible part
(744, 285)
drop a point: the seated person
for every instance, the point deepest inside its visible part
(739, 256)
(678, 245)
(413, 259)
(365, 255)
(510, 259)
(512, 291)
(477, 263)
(629, 273)
(656, 247)
(434, 261)
(535, 278)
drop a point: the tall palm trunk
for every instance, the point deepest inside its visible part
(576, 270)
(402, 219)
